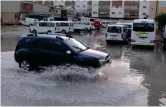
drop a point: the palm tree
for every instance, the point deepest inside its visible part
(161, 19)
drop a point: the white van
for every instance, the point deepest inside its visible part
(128, 25)
(143, 32)
(116, 32)
(52, 27)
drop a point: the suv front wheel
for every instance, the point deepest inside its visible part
(25, 66)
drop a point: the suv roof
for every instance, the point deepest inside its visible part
(47, 36)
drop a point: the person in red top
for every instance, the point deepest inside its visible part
(97, 25)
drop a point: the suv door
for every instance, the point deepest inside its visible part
(41, 51)
(58, 53)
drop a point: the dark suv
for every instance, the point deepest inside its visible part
(43, 50)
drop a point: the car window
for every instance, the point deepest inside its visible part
(43, 43)
(64, 24)
(58, 25)
(43, 24)
(114, 29)
(57, 46)
(75, 45)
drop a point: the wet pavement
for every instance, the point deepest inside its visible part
(136, 77)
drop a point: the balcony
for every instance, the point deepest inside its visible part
(104, 3)
(131, 8)
(131, 3)
(89, 3)
(49, 3)
(117, 3)
(69, 3)
(104, 7)
(131, 17)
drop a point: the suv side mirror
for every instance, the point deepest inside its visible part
(68, 52)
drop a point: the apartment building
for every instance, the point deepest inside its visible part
(89, 8)
(117, 9)
(70, 4)
(161, 7)
(95, 5)
(81, 6)
(131, 9)
(104, 9)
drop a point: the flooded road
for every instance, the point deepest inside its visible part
(136, 77)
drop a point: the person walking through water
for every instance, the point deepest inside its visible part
(159, 40)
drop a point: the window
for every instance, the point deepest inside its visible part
(64, 24)
(144, 6)
(146, 27)
(94, 12)
(83, 6)
(113, 12)
(42, 24)
(50, 24)
(120, 12)
(43, 43)
(71, 24)
(58, 25)
(57, 46)
(78, 6)
(144, 13)
(75, 45)
(87, 23)
(114, 29)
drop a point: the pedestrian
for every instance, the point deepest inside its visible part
(159, 40)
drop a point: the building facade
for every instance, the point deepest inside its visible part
(95, 5)
(117, 9)
(161, 7)
(131, 9)
(12, 15)
(81, 6)
(104, 9)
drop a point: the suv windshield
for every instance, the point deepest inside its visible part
(114, 29)
(75, 45)
(146, 27)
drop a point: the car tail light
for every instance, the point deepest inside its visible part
(132, 40)
(152, 41)
(106, 35)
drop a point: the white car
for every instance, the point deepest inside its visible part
(116, 32)
(28, 21)
(79, 26)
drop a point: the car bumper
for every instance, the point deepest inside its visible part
(143, 44)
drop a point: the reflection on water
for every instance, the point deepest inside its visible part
(8, 43)
(152, 67)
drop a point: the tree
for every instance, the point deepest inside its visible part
(161, 19)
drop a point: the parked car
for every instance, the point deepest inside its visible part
(116, 32)
(82, 25)
(46, 49)
(52, 27)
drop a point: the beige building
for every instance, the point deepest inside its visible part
(152, 9)
(11, 15)
(161, 7)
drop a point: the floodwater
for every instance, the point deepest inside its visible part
(136, 77)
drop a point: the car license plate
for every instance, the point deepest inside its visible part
(113, 39)
(138, 43)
